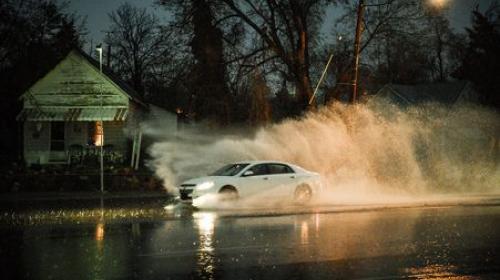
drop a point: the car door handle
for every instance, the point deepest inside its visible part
(265, 178)
(293, 177)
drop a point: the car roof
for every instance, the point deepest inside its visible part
(261, 162)
(296, 168)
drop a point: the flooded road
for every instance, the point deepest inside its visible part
(457, 242)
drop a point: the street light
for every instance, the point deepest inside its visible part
(99, 50)
(439, 4)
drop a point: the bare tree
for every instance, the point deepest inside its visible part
(212, 97)
(138, 44)
(439, 36)
(481, 58)
(207, 84)
(260, 109)
(287, 30)
(399, 32)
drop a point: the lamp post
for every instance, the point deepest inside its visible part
(99, 50)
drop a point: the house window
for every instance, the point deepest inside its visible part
(96, 134)
(57, 136)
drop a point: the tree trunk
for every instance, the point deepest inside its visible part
(440, 59)
(303, 82)
(304, 89)
(212, 99)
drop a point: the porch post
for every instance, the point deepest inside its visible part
(138, 150)
(134, 142)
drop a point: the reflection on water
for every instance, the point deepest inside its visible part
(205, 223)
(99, 233)
(304, 233)
(435, 271)
(98, 265)
(417, 243)
(99, 270)
(316, 224)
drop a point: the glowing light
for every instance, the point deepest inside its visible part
(98, 134)
(205, 186)
(99, 231)
(169, 207)
(438, 3)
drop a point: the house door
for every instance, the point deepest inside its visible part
(57, 141)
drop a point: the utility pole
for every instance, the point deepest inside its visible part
(357, 46)
(99, 50)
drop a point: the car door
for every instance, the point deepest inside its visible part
(282, 179)
(256, 183)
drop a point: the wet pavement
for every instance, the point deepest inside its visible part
(424, 242)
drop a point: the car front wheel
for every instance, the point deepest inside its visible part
(303, 194)
(228, 193)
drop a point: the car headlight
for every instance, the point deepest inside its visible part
(204, 186)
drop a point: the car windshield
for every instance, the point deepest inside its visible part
(230, 169)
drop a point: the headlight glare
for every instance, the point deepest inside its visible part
(204, 186)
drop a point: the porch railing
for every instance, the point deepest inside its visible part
(90, 154)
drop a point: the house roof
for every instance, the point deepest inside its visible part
(444, 93)
(67, 93)
(132, 93)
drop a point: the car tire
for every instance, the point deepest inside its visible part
(228, 193)
(302, 194)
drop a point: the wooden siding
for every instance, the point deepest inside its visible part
(75, 82)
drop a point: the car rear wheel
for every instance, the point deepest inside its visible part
(303, 194)
(228, 193)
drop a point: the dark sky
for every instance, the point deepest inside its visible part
(97, 11)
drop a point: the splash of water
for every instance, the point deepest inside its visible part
(362, 152)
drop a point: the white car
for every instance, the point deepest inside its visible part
(247, 179)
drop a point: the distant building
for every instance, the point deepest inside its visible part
(62, 114)
(448, 93)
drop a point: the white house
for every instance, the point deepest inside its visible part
(63, 113)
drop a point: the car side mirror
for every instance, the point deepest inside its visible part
(247, 173)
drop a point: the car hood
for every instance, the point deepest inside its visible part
(196, 181)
